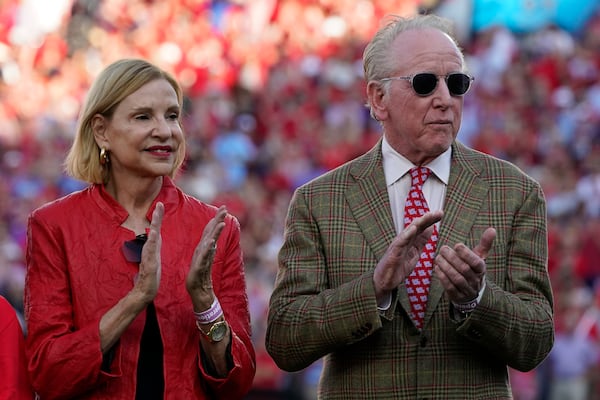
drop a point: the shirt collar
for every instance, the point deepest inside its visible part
(395, 165)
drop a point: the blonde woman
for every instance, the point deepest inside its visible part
(134, 289)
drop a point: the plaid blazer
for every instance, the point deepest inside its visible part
(323, 304)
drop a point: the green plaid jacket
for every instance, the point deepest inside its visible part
(323, 304)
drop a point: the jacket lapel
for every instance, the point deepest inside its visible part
(369, 202)
(464, 196)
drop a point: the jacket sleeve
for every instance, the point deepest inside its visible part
(55, 346)
(308, 317)
(514, 319)
(230, 289)
(14, 383)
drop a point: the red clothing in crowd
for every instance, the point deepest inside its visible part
(76, 271)
(587, 258)
(14, 384)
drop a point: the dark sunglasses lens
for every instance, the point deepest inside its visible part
(424, 84)
(132, 249)
(458, 84)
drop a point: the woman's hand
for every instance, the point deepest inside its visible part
(147, 280)
(118, 318)
(199, 280)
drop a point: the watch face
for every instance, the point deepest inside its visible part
(218, 331)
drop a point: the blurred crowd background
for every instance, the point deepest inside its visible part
(275, 97)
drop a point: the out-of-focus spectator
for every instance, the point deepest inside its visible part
(587, 258)
(588, 186)
(574, 360)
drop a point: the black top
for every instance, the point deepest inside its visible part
(150, 377)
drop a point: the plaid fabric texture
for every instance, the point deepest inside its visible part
(323, 304)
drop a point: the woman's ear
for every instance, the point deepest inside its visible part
(376, 94)
(99, 125)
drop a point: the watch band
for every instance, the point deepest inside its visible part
(216, 333)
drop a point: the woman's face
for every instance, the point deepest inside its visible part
(144, 134)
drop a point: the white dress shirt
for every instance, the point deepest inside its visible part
(398, 181)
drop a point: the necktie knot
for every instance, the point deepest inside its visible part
(419, 175)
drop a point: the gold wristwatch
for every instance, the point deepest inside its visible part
(216, 333)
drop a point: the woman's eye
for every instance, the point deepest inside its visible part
(142, 117)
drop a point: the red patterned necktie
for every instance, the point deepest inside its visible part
(417, 283)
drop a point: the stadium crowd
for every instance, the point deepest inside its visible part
(275, 96)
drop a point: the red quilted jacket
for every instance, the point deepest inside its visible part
(76, 271)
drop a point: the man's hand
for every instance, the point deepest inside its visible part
(402, 255)
(462, 270)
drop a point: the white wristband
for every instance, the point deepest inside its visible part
(211, 315)
(470, 305)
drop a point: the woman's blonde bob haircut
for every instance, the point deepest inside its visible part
(111, 87)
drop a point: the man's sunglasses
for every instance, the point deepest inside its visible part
(425, 83)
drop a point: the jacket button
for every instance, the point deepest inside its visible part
(475, 333)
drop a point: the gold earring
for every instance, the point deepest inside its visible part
(104, 156)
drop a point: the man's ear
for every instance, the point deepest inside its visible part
(376, 94)
(99, 124)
